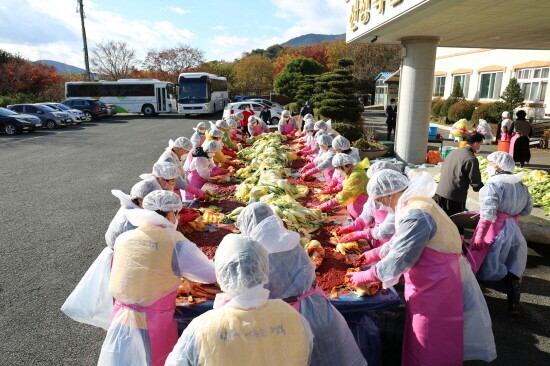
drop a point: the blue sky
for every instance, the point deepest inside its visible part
(50, 29)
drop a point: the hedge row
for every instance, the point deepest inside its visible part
(471, 110)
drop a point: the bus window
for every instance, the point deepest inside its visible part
(193, 90)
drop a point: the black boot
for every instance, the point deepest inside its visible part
(513, 293)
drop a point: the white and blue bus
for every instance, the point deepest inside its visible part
(201, 93)
(147, 96)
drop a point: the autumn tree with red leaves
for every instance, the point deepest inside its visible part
(169, 63)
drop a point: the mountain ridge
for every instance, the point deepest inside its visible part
(312, 38)
(62, 68)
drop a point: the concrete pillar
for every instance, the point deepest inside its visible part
(415, 98)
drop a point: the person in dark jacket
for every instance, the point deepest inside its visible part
(391, 121)
(460, 170)
(519, 144)
(265, 115)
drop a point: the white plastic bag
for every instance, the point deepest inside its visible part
(90, 302)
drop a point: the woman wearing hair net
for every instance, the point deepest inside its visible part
(340, 144)
(165, 173)
(224, 127)
(353, 194)
(202, 166)
(319, 128)
(307, 141)
(219, 156)
(148, 264)
(90, 302)
(498, 250)
(377, 222)
(292, 278)
(447, 318)
(256, 126)
(245, 328)
(484, 129)
(218, 134)
(234, 134)
(199, 136)
(177, 153)
(287, 125)
(323, 162)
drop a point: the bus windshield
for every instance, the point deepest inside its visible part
(193, 90)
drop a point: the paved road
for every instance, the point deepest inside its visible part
(56, 206)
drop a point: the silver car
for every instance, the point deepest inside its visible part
(49, 116)
(77, 116)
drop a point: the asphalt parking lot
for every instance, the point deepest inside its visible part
(55, 208)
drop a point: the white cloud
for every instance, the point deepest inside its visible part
(179, 10)
(228, 48)
(55, 31)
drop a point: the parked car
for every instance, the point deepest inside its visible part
(111, 109)
(92, 108)
(76, 116)
(232, 108)
(49, 116)
(13, 123)
(268, 102)
(242, 98)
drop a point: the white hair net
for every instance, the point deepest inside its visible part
(252, 215)
(506, 114)
(308, 116)
(182, 142)
(421, 185)
(342, 159)
(241, 263)
(232, 123)
(381, 165)
(309, 126)
(285, 113)
(386, 182)
(504, 160)
(199, 126)
(253, 119)
(341, 143)
(164, 170)
(239, 116)
(324, 140)
(222, 124)
(211, 146)
(144, 187)
(321, 125)
(165, 201)
(215, 133)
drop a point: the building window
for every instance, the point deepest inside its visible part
(439, 86)
(463, 79)
(533, 83)
(489, 85)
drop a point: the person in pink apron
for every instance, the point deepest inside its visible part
(506, 127)
(376, 223)
(245, 328)
(323, 162)
(308, 140)
(319, 128)
(292, 278)
(498, 250)
(287, 125)
(353, 194)
(519, 144)
(148, 264)
(426, 250)
(307, 119)
(202, 166)
(199, 136)
(256, 126)
(340, 144)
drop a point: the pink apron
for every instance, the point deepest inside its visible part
(434, 323)
(161, 326)
(287, 128)
(196, 181)
(258, 130)
(513, 142)
(476, 257)
(356, 207)
(316, 289)
(327, 173)
(217, 171)
(379, 217)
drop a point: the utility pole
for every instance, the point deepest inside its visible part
(86, 61)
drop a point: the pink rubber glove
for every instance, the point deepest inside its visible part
(363, 234)
(368, 257)
(361, 278)
(479, 239)
(306, 167)
(358, 224)
(198, 193)
(312, 171)
(325, 206)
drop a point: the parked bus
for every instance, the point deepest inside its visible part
(201, 93)
(147, 96)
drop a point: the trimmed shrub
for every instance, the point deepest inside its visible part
(294, 108)
(349, 131)
(491, 112)
(364, 145)
(18, 98)
(462, 109)
(436, 107)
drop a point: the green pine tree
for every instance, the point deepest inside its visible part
(512, 95)
(456, 95)
(335, 94)
(306, 89)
